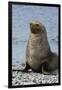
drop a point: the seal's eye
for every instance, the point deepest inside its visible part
(37, 24)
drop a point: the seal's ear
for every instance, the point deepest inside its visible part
(43, 28)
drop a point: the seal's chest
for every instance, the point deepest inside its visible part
(35, 42)
(35, 46)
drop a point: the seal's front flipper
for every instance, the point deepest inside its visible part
(24, 69)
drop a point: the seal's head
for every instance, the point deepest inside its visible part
(36, 27)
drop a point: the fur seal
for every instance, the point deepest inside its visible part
(38, 54)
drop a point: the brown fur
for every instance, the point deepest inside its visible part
(38, 54)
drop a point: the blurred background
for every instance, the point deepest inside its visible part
(22, 15)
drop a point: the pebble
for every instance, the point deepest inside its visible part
(22, 78)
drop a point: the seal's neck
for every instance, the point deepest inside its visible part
(35, 36)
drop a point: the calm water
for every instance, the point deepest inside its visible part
(21, 16)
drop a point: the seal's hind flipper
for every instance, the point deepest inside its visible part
(47, 72)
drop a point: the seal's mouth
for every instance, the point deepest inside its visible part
(35, 28)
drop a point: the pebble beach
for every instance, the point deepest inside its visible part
(30, 77)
